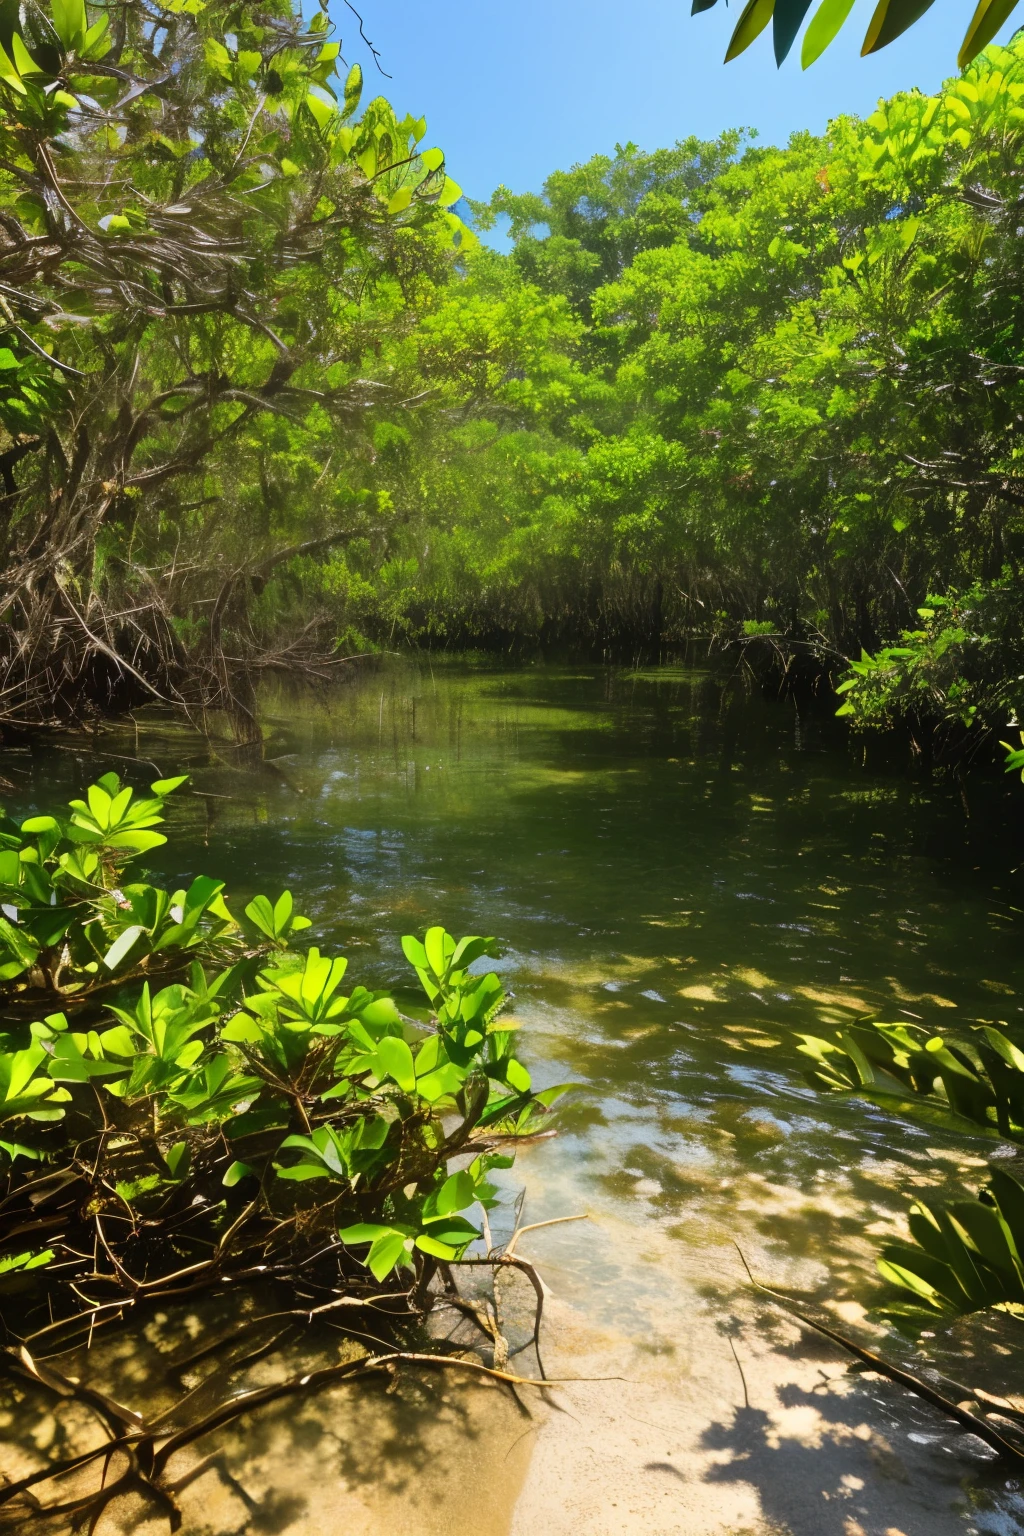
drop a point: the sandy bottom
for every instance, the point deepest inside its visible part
(722, 1418)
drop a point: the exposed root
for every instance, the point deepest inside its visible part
(141, 1447)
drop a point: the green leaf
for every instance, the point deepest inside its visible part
(755, 17)
(414, 952)
(517, 1076)
(1009, 1194)
(890, 20)
(353, 90)
(985, 23)
(825, 25)
(235, 1174)
(385, 1253)
(22, 1261)
(455, 1193)
(786, 21)
(122, 946)
(432, 1245)
(362, 1232)
(434, 946)
(178, 1160)
(23, 60)
(397, 1059)
(11, 75)
(69, 22)
(896, 1274)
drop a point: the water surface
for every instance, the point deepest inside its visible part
(682, 877)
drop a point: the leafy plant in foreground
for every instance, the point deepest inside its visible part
(248, 1117)
(71, 922)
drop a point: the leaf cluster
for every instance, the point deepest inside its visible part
(259, 1117)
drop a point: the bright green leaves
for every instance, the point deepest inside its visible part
(989, 16)
(930, 670)
(431, 1224)
(15, 1266)
(890, 19)
(1014, 757)
(353, 91)
(72, 919)
(114, 821)
(754, 17)
(307, 996)
(389, 1246)
(966, 1256)
(430, 1073)
(278, 922)
(466, 1006)
(824, 26)
(980, 1080)
(307, 1110)
(337, 1151)
(69, 22)
(25, 1089)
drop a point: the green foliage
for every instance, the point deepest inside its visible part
(73, 922)
(219, 213)
(889, 20)
(906, 1068)
(253, 1107)
(721, 385)
(966, 1256)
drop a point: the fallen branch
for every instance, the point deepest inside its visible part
(904, 1378)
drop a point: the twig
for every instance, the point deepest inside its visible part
(963, 1416)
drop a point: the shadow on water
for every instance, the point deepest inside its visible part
(683, 878)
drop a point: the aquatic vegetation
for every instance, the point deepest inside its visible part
(243, 1115)
(906, 1067)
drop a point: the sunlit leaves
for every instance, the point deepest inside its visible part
(966, 1256)
(754, 17)
(890, 19)
(325, 1121)
(977, 1080)
(823, 27)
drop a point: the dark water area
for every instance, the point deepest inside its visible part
(683, 876)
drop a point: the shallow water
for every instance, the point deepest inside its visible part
(682, 878)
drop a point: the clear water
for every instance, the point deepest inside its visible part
(682, 878)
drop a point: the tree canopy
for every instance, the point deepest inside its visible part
(752, 392)
(194, 221)
(265, 402)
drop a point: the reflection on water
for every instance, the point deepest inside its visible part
(682, 878)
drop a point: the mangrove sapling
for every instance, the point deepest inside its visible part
(233, 1120)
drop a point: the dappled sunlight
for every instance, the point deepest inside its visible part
(677, 900)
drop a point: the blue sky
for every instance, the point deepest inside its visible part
(515, 90)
